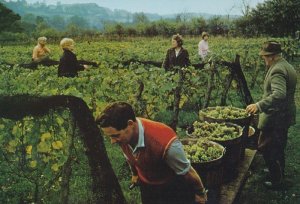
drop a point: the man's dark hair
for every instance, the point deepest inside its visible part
(116, 115)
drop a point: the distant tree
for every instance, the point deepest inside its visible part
(182, 28)
(58, 22)
(184, 16)
(27, 27)
(73, 30)
(16, 6)
(178, 18)
(119, 30)
(141, 28)
(114, 29)
(131, 31)
(9, 21)
(215, 25)
(41, 24)
(140, 18)
(39, 20)
(166, 28)
(197, 26)
(273, 17)
(29, 18)
(51, 33)
(245, 7)
(151, 30)
(78, 21)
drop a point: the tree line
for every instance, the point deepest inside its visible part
(275, 18)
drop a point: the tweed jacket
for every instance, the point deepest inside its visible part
(277, 106)
(171, 60)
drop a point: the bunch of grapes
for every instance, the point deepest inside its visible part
(202, 151)
(225, 112)
(215, 131)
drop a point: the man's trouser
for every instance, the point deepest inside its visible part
(176, 191)
(272, 143)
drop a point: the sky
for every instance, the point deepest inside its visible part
(218, 7)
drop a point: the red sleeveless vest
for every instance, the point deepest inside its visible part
(150, 160)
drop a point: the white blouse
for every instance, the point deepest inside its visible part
(203, 48)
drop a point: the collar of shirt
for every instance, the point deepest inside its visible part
(177, 52)
(141, 141)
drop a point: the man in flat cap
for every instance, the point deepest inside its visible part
(277, 111)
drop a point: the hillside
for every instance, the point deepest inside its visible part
(95, 15)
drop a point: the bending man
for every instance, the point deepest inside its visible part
(156, 157)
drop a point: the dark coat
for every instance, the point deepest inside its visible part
(182, 60)
(68, 65)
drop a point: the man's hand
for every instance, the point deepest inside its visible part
(252, 108)
(47, 50)
(200, 199)
(134, 179)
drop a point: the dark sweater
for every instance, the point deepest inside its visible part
(68, 65)
(182, 60)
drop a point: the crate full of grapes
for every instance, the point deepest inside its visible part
(207, 159)
(221, 114)
(228, 135)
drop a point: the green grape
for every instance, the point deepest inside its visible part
(215, 131)
(202, 151)
(225, 112)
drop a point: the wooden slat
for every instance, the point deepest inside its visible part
(230, 190)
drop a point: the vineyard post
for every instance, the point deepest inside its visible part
(226, 88)
(254, 77)
(210, 85)
(140, 102)
(67, 170)
(177, 97)
(36, 191)
(238, 75)
(245, 57)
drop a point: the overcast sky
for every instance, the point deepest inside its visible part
(168, 6)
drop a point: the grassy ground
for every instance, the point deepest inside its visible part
(254, 192)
